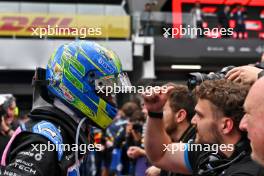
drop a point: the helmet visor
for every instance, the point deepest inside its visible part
(110, 84)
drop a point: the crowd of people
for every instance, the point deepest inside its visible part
(221, 117)
(123, 140)
(224, 15)
(213, 113)
(227, 17)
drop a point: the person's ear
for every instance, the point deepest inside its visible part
(180, 115)
(227, 125)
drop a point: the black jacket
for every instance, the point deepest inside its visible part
(22, 157)
(207, 163)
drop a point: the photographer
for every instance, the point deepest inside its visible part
(253, 120)
(218, 113)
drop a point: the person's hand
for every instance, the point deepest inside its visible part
(135, 152)
(129, 128)
(109, 144)
(245, 74)
(153, 171)
(155, 99)
(5, 128)
(136, 136)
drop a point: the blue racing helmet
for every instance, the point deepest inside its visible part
(75, 71)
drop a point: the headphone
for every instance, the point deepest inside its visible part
(213, 164)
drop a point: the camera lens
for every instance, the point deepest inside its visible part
(197, 78)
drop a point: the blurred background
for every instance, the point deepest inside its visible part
(135, 30)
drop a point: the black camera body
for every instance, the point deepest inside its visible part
(196, 78)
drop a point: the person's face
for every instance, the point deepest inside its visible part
(197, 4)
(227, 8)
(252, 122)
(11, 112)
(147, 7)
(206, 123)
(168, 118)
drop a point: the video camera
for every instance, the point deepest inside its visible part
(196, 78)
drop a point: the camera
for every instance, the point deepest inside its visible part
(196, 78)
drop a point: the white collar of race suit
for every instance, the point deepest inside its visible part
(58, 104)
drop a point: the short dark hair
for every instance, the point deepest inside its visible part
(226, 95)
(182, 98)
(129, 108)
